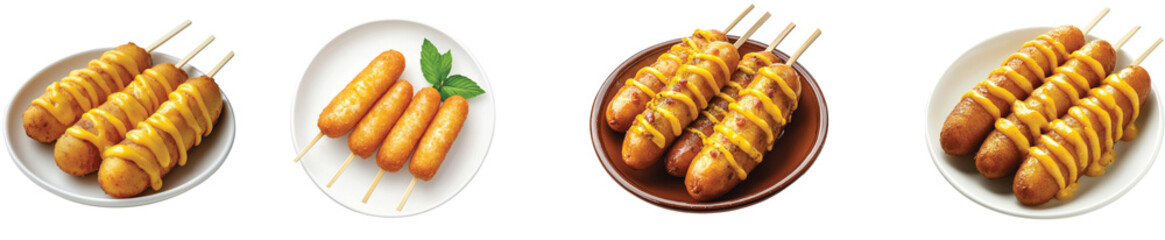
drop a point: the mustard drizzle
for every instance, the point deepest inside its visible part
(1025, 84)
(1090, 157)
(774, 113)
(132, 106)
(148, 133)
(80, 90)
(1037, 122)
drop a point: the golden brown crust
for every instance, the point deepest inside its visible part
(1033, 184)
(439, 138)
(639, 150)
(374, 127)
(998, 156)
(408, 130)
(630, 100)
(121, 178)
(358, 97)
(80, 157)
(42, 126)
(680, 155)
(969, 123)
(710, 175)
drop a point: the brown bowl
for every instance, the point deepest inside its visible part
(792, 154)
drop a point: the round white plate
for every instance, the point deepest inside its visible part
(35, 159)
(335, 65)
(1133, 157)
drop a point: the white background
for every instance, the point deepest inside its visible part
(876, 62)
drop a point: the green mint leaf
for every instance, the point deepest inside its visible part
(460, 85)
(446, 65)
(431, 62)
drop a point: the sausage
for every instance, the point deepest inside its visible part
(1081, 143)
(679, 157)
(439, 137)
(666, 116)
(632, 98)
(975, 114)
(372, 129)
(78, 152)
(395, 150)
(1006, 146)
(361, 94)
(63, 101)
(160, 143)
(748, 132)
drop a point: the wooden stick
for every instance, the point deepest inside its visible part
(195, 52)
(222, 62)
(375, 181)
(804, 46)
(1147, 51)
(744, 38)
(1127, 36)
(780, 37)
(309, 145)
(1095, 20)
(741, 16)
(407, 193)
(342, 168)
(169, 35)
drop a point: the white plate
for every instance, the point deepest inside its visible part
(336, 65)
(1133, 157)
(36, 159)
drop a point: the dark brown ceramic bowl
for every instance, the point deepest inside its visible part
(793, 153)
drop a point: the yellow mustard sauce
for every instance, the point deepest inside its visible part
(1090, 157)
(774, 112)
(1036, 121)
(133, 108)
(148, 133)
(57, 103)
(686, 71)
(1025, 84)
(685, 48)
(748, 65)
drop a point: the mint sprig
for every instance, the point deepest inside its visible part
(435, 66)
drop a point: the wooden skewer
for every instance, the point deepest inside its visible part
(744, 38)
(804, 46)
(222, 62)
(1127, 36)
(407, 193)
(780, 37)
(1095, 20)
(195, 52)
(741, 16)
(1147, 51)
(375, 181)
(309, 145)
(342, 168)
(169, 35)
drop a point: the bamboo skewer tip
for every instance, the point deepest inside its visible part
(408, 192)
(1147, 52)
(308, 147)
(759, 22)
(1127, 36)
(375, 181)
(342, 168)
(781, 37)
(741, 16)
(221, 63)
(195, 51)
(804, 46)
(1095, 20)
(171, 34)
